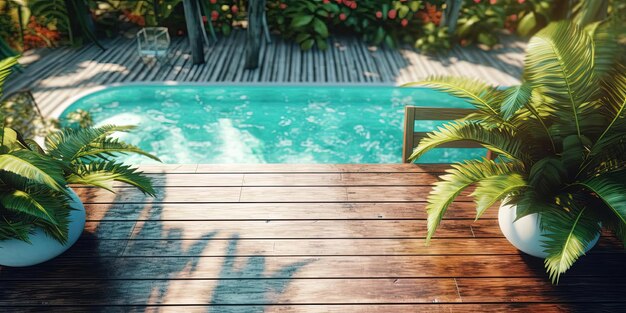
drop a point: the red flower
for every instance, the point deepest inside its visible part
(379, 14)
(476, 1)
(521, 1)
(404, 22)
(342, 17)
(234, 9)
(214, 15)
(493, 1)
(392, 14)
(282, 6)
(213, 1)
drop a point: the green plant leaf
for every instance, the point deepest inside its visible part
(104, 147)
(6, 66)
(493, 189)
(320, 27)
(515, 98)
(499, 141)
(567, 235)
(69, 143)
(301, 20)
(36, 204)
(559, 65)
(461, 176)
(103, 173)
(33, 166)
(613, 194)
(485, 98)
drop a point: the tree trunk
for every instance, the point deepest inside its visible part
(451, 14)
(256, 10)
(193, 31)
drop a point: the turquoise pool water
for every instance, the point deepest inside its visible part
(267, 124)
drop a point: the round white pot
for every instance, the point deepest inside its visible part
(42, 247)
(525, 233)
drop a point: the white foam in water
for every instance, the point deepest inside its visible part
(236, 146)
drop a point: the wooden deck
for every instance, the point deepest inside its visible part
(55, 75)
(299, 238)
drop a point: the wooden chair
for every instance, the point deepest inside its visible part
(412, 138)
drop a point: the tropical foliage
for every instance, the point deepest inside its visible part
(559, 137)
(34, 179)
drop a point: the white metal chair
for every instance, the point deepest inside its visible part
(153, 44)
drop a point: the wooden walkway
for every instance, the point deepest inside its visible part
(299, 238)
(58, 74)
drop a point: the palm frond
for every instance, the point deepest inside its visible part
(103, 173)
(515, 98)
(485, 98)
(568, 233)
(499, 141)
(456, 180)
(18, 229)
(613, 195)
(69, 143)
(33, 166)
(607, 50)
(493, 189)
(559, 64)
(36, 203)
(105, 147)
(6, 66)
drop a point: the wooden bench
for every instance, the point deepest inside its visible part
(412, 138)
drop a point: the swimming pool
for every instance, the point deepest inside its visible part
(267, 124)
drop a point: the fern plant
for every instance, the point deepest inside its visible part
(33, 180)
(559, 137)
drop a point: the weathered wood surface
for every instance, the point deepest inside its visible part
(56, 75)
(293, 238)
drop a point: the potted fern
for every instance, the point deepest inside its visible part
(560, 140)
(40, 216)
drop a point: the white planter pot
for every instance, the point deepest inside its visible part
(42, 248)
(525, 233)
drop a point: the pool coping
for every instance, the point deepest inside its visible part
(56, 113)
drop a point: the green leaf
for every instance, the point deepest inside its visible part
(301, 20)
(461, 176)
(515, 98)
(499, 141)
(103, 173)
(320, 27)
(484, 97)
(33, 166)
(568, 233)
(493, 189)
(69, 143)
(35, 204)
(613, 194)
(106, 147)
(559, 65)
(6, 65)
(307, 44)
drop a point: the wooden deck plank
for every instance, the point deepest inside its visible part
(264, 194)
(312, 267)
(270, 229)
(91, 246)
(282, 211)
(241, 291)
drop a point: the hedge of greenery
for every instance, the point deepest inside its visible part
(307, 22)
